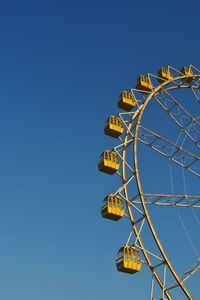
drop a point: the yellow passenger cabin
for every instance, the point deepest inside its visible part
(187, 72)
(108, 162)
(112, 208)
(164, 75)
(114, 127)
(126, 101)
(128, 260)
(144, 84)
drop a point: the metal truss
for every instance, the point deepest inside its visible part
(170, 150)
(169, 200)
(186, 275)
(180, 116)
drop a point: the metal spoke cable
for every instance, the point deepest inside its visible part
(171, 179)
(184, 181)
(188, 235)
(196, 217)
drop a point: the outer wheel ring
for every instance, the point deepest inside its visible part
(140, 191)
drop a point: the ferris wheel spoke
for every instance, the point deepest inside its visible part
(170, 200)
(186, 275)
(173, 152)
(191, 271)
(180, 116)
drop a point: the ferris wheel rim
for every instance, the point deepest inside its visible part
(140, 241)
(147, 216)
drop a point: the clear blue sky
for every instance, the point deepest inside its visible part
(62, 65)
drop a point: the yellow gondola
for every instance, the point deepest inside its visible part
(187, 71)
(164, 75)
(128, 260)
(108, 162)
(114, 127)
(126, 101)
(112, 208)
(144, 84)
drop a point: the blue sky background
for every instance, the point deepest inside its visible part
(62, 66)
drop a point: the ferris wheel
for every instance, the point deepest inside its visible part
(157, 161)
